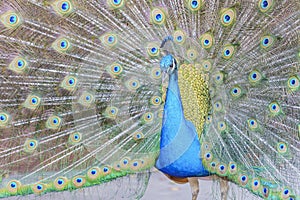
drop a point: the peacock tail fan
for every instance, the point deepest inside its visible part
(80, 98)
(252, 134)
(81, 93)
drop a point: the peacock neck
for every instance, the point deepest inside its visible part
(173, 98)
(179, 144)
(173, 83)
(173, 111)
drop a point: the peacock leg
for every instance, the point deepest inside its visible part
(224, 188)
(194, 187)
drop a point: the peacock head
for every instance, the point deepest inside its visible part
(168, 64)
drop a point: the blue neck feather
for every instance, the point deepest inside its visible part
(179, 145)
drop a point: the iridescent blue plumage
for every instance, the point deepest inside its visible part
(179, 144)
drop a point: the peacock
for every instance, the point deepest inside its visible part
(96, 93)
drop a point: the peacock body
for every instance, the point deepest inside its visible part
(95, 93)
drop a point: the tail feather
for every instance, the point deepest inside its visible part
(81, 93)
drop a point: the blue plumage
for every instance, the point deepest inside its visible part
(179, 145)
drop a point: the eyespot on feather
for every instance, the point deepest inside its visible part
(32, 102)
(228, 51)
(265, 5)
(228, 17)
(194, 5)
(116, 4)
(78, 181)
(5, 119)
(13, 186)
(63, 7)
(109, 40)
(207, 40)
(18, 65)
(158, 16)
(179, 37)
(11, 19)
(60, 183)
(54, 122)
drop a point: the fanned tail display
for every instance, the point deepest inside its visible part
(93, 94)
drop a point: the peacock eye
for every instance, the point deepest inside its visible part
(65, 6)
(194, 5)
(294, 83)
(265, 5)
(265, 191)
(117, 2)
(13, 186)
(266, 41)
(228, 51)
(10, 19)
(71, 81)
(39, 187)
(228, 17)
(34, 100)
(111, 39)
(179, 37)
(3, 119)
(158, 16)
(13, 19)
(61, 45)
